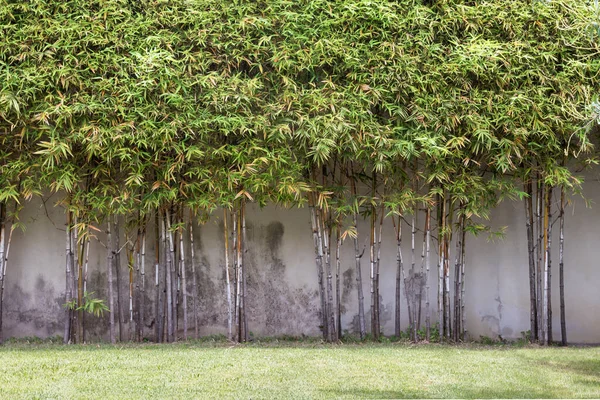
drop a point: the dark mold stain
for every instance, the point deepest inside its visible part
(272, 302)
(42, 309)
(274, 237)
(347, 288)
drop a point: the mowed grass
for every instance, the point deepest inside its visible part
(296, 371)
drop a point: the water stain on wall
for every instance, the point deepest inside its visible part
(42, 309)
(275, 305)
(212, 308)
(348, 282)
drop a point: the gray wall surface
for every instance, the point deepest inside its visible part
(282, 280)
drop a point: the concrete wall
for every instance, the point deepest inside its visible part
(283, 296)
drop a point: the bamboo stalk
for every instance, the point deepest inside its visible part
(244, 270)
(183, 279)
(447, 240)
(234, 217)
(2, 262)
(457, 276)
(68, 275)
(427, 267)
(158, 254)
(130, 268)
(374, 327)
(109, 266)
(227, 278)
(175, 270)
(462, 279)
(541, 309)
(413, 266)
(85, 278)
(142, 296)
(338, 288)
(318, 242)
(240, 278)
(357, 257)
(440, 299)
(326, 233)
(549, 263)
(377, 262)
(137, 260)
(421, 273)
(546, 218)
(170, 275)
(117, 261)
(399, 267)
(531, 253)
(78, 281)
(563, 324)
(242, 323)
(195, 280)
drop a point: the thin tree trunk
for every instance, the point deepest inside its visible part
(421, 274)
(85, 278)
(170, 277)
(183, 279)
(240, 277)
(457, 279)
(399, 267)
(117, 260)
(440, 299)
(318, 243)
(244, 270)
(227, 278)
(531, 252)
(413, 273)
(407, 285)
(110, 261)
(176, 269)
(10, 229)
(549, 263)
(338, 288)
(137, 260)
(427, 267)
(544, 253)
(462, 279)
(166, 281)
(447, 240)
(131, 268)
(357, 257)
(374, 322)
(322, 273)
(69, 280)
(541, 309)
(78, 281)
(195, 281)
(377, 263)
(159, 296)
(142, 295)
(3, 262)
(242, 324)
(331, 334)
(236, 270)
(563, 324)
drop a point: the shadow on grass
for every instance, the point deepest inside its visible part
(447, 392)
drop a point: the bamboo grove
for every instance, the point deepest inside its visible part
(148, 118)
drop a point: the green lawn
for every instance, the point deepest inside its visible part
(297, 370)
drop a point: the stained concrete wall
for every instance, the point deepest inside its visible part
(283, 296)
